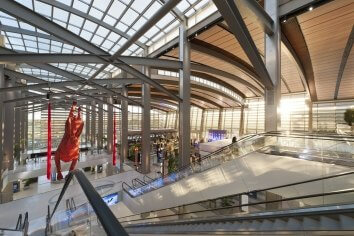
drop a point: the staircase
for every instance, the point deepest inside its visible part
(324, 220)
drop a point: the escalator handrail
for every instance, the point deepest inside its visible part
(142, 183)
(256, 191)
(19, 222)
(109, 222)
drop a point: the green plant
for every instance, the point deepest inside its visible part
(349, 116)
(17, 151)
(225, 202)
(172, 164)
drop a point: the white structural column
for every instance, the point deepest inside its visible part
(93, 125)
(201, 130)
(8, 142)
(110, 126)
(100, 126)
(2, 112)
(242, 121)
(145, 124)
(221, 117)
(184, 93)
(17, 120)
(272, 61)
(87, 125)
(124, 129)
(310, 119)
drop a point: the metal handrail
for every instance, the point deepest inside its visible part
(254, 191)
(109, 222)
(142, 183)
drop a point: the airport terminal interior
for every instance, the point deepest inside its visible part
(170, 117)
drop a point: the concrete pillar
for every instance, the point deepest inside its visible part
(110, 126)
(87, 125)
(242, 121)
(272, 61)
(221, 117)
(184, 93)
(17, 111)
(202, 124)
(145, 124)
(100, 126)
(124, 128)
(93, 125)
(23, 127)
(310, 119)
(2, 119)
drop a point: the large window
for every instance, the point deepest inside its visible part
(231, 121)
(254, 116)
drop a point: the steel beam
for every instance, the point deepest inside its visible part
(42, 58)
(124, 130)
(145, 124)
(261, 15)
(17, 10)
(17, 30)
(185, 94)
(343, 63)
(238, 27)
(273, 65)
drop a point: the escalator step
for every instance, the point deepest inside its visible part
(328, 223)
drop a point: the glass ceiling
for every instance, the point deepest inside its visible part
(105, 23)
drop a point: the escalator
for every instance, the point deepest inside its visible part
(317, 206)
(330, 149)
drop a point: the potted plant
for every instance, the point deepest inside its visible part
(349, 118)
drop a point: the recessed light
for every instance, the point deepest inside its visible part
(310, 8)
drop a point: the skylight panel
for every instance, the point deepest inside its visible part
(122, 41)
(101, 4)
(152, 9)
(43, 46)
(78, 5)
(121, 26)
(165, 20)
(201, 4)
(107, 44)
(47, 41)
(171, 26)
(90, 26)
(56, 43)
(190, 12)
(116, 9)
(60, 14)
(62, 24)
(27, 26)
(151, 32)
(86, 35)
(96, 13)
(29, 49)
(129, 17)
(97, 40)
(102, 31)
(9, 22)
(183, 5)
(76, 20)
(26, 3)
(29, 37)
(139, 23)
(55, 49)
(139, 6)
(15, 41)
(43, 8)
(109, 20)
(74, 29)
(113, 37)
(131, 32)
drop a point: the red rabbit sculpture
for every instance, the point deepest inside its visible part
(69, 147)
